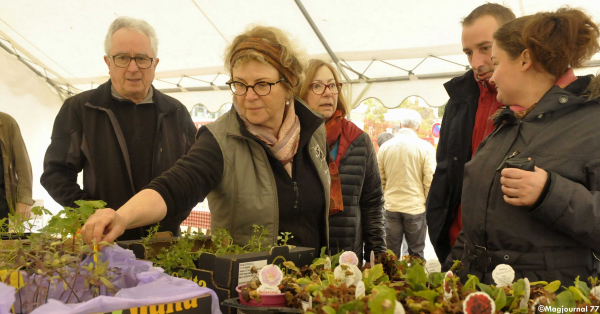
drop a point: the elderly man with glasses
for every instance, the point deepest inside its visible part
(122, 134)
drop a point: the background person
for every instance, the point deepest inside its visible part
(356, 222)
(465, 124)
(406, 164)
(262, 163)
(16, 179)
(544, 223)
(122, 134)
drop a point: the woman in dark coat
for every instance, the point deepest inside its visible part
(542, 220)
(356, 223)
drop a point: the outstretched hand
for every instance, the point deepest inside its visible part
(104, 225)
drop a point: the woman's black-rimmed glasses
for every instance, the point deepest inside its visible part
(261, 88)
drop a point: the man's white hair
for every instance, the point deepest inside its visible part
(410, 119)
(135, 24)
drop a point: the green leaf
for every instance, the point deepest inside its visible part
(380, 295)
(436, 279)
(553, 286)
(500, 299)
(95, 204)
(485, 288)
(375, 273)
(328, 309)
(390, 252)
(519, 288)
(416, 276)
(582, 286)
(107, 283)
(471, 283)
(536, 283)
(564, 299)
(427, 294)
(578, 295)
(304, 281)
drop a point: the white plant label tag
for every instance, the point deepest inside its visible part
(399, 309)
(596, 292)
(525, 301)
(360, 290)
(433, 266)
(503, 275)
(447, 286)
(372, 258)
(264, 289)
(349, 258)
(244, 275)
(328, 264)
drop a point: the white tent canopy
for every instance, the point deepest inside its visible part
(66, 38)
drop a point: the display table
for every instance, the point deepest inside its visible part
(198, 219)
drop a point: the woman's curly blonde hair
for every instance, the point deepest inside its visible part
(292, 57)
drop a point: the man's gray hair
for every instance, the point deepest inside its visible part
(411, 119)
(131, 23)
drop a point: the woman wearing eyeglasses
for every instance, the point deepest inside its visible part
(263, 163)
(356, 206)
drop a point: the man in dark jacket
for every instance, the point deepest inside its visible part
(123, 134)
(465, 124)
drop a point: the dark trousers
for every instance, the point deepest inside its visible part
(413, 227)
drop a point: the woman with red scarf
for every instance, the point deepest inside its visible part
(356, 207)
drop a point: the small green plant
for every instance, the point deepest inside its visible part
(284, 238)
(70, 220)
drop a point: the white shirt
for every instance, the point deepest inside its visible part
(406, 165)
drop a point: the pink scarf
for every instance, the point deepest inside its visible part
(285, 145)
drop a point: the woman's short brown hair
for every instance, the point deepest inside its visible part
(292, 57)
(556, 40)
(313, 66)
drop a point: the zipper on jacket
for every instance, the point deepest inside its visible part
(297, 195)
(514, 154)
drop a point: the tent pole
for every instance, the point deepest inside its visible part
(321, 38)
(61, 92)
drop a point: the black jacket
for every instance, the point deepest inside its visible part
(554, 239)
(87, 136)
(301, 199)
(362, 218)
(453, 151)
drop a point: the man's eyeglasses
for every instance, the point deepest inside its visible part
(319, 88)
(123, 61)
(261, 88)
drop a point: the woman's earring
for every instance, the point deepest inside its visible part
(287, 102)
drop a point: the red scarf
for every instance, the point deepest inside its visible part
(339, 128)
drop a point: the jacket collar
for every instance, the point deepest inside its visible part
(102, 98)
(555, 99)
(407, 131)
(462, 86)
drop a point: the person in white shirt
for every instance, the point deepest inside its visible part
(406, 164)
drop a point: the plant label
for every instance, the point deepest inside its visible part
(244, 275)
(433, 266)
(349, 274)
(349, 258)
(447, 285)
(270, 275)
(479, 303)
(525, 301)
(265, 289)
(596, 292)
(328, 264)
(372, 258)
(503, 275)
(399, 309)
(360, 290)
